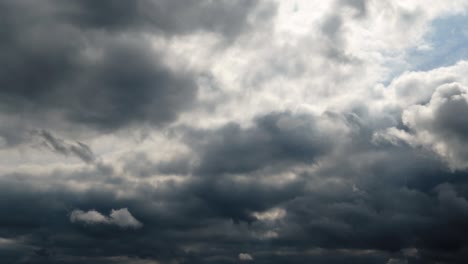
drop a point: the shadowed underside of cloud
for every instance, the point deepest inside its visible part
(274, 139)
(389, 203)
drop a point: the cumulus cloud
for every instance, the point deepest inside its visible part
(435, 118)
(441, 124)
(121, 217)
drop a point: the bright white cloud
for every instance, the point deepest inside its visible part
(434, 107)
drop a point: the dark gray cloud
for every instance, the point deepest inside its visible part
(228, 18)
(78, 149)
(285, 187)
(119, 82)
(360, 6)
(274, 139)
(414, 204)
(387, 203)
(90, 63)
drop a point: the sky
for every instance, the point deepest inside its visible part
(234, 131)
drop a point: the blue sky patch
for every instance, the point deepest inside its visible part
(448, 44)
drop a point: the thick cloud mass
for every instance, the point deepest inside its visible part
(246, 131)
(91, 63)
(169, 17)
(104, 80)
(443, 123)
(274, 139)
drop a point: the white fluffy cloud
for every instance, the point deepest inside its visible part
(434, 107)
(314, 57)
(122, 218)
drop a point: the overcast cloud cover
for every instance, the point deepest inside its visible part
(234, 131)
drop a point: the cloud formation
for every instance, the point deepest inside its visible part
(245, 257)
(78, 149)
(93, 64)
(259, 131)
(273, 139)
(121, 218)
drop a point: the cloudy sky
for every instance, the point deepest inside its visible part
(234, 131)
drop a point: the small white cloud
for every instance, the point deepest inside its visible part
(270, 215)
(90, 217)
(245, 257)
(122, 218)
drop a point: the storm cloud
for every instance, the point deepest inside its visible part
(246, 131)
(93, 64)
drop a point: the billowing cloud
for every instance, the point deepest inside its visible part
(442, 123)
(262, 131)
(95, 64)
(432, 110)
(273, 139)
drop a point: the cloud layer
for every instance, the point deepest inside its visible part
(256, 131)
